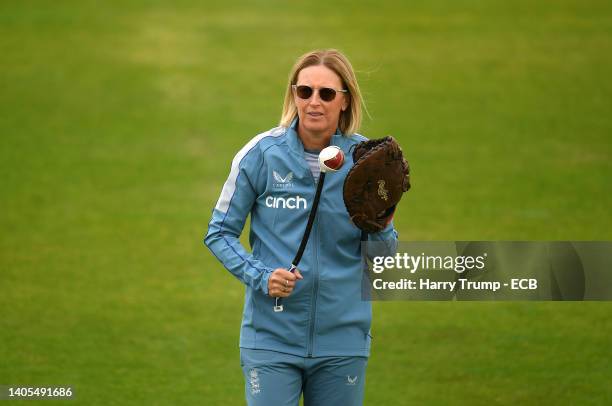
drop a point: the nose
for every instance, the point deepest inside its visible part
(315, 99)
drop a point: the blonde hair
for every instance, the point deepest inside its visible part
(350, 119)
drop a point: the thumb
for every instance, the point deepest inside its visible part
(298, 274)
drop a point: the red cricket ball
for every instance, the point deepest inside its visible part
(331, 159)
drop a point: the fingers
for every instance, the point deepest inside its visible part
(282, 273)
(282, 282)
(275, 292)
(298, 274)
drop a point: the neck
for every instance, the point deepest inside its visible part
(316, 141)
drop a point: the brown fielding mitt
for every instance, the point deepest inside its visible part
(375, 184)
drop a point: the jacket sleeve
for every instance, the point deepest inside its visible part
(229, 215)
(383, 243)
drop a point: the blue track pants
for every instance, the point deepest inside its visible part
(275, 378)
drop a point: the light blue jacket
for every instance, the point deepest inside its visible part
(325, 314)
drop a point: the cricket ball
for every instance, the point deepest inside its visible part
(331, 159)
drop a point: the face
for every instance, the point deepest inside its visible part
(319, 118)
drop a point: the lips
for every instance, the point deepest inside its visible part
(315, 114)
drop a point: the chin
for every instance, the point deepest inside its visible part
(315, 127)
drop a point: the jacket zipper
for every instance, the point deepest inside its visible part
(315, 289)
(315, 284)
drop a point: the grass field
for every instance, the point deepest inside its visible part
(118, 122)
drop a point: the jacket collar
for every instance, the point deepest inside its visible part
(295, 143)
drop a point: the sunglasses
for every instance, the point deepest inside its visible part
(326, 94)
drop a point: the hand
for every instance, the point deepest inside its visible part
(282, 282)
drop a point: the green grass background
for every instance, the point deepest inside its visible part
(118, 121)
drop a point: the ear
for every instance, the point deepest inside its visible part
(345, 103)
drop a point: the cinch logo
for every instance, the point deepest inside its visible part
(292, 203)
(280, 182)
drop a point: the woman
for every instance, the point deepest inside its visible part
(319, 344)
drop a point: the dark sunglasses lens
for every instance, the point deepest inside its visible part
(327, 94)
(303, 92)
